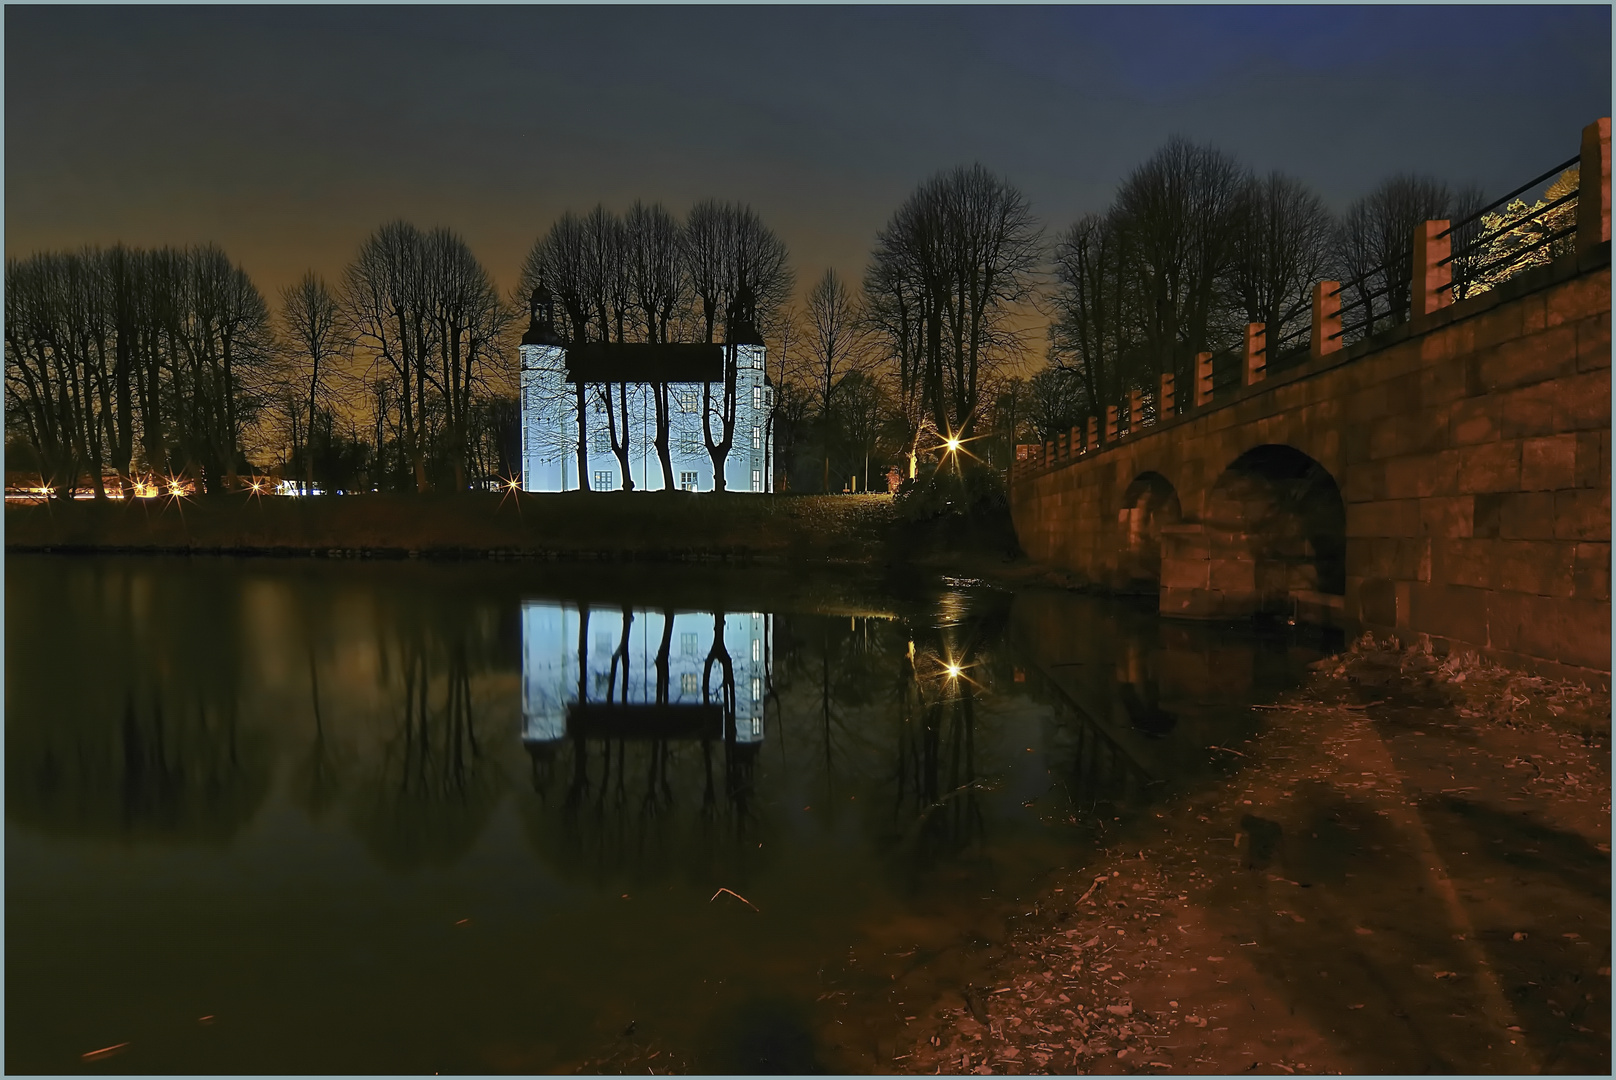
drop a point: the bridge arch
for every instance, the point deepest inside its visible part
(1285, 511)
(1148, 504)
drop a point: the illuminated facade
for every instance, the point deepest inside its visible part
(693, 375)
(640, 674)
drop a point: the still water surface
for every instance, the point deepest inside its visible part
(290, 816)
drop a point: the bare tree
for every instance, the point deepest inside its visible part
(1093, 329)
(660, 289)
(1177, 216)
(560, 260)
(1281, 247)
(1374, 244)
(314, 337)
(950, 270)
(831, 353)
(468, 319)
(384, 298)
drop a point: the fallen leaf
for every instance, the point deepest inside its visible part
(1119, 1010)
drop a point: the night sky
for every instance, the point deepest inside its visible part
(287, 134)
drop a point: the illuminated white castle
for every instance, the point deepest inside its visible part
(553, 372)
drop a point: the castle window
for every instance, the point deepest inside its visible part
(690, 683)
(603, 479)
(688, 482)
(689, 401)
(757, 480)
(687, 644)
(757, 397)
(757, 438)
(600, 443)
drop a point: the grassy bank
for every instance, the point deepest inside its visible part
(662, 526)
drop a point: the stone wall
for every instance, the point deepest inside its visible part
(1470, 454)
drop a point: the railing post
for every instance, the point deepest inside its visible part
(1111, 424)
(1593, 186)
(1136, 408)
(1093, 441)
(1256, 353)
(1165, 403)
(1075, 441)
(1049, 455)
(1063, 449)
(1433, 274)
(1203, 379)
(1326, 318)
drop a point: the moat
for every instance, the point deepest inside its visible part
(277, 816)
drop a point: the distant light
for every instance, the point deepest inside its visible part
(953, 445)
(953, 670)
(175, 489)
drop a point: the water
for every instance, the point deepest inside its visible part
(294, 816)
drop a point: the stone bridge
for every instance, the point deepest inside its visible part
(1447, 477)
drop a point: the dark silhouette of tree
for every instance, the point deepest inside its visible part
(1374, 243)
(314, 337)
(949, 271)
(1282, 245)
(831, 352)
(1093, 329)
(1177, 218)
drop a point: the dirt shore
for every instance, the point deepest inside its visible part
(1408, 871)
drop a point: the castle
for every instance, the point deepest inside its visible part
(557, 377)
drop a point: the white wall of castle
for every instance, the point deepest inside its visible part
(550, 429)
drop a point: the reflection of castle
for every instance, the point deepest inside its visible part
(623, 673)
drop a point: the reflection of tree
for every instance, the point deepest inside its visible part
(170, 769)
(318, 776)
(433, 789)
(122, 702)
(624, 804)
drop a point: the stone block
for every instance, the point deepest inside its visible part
(1398, 436)
(1190, 603)
(1463, 562)
(1367, 405)
(1421, 475)
(1578, 299)
(1593, 344)
(1549, 464)
(1453, 611)
(1446, 516)
(1585, 401)
(1442, 383)
(1523, 515)
(1582, 514)
(1490, 467)
(1541, 567)
(1567, 631)
(1185, 573)
(1592, 461)
(1496, 326)
(1386, 517)
(1234, 576)
(1377, 602)
(1524, 361)
(1527, 412)
(1590, 576)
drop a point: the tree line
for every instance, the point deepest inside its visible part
(124, 365)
